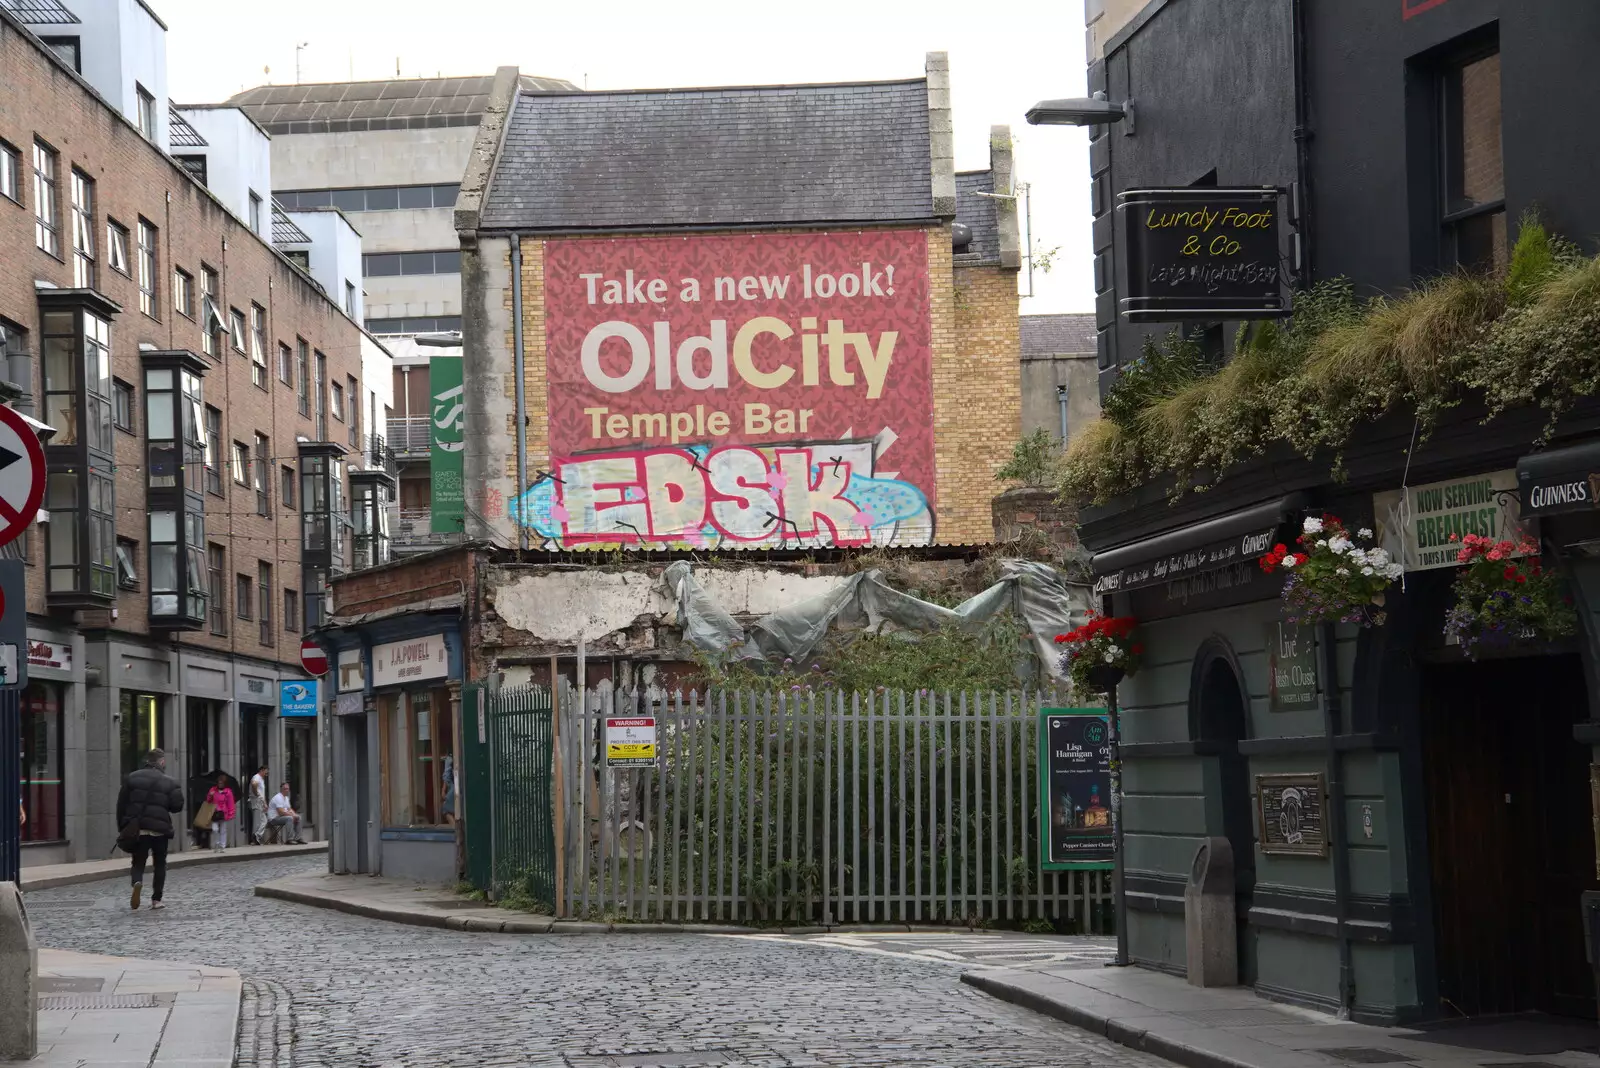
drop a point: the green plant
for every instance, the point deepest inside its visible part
(1500, 597)
(1033, 460)
(1045, 258)
(1335, 576)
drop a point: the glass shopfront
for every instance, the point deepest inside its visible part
(140, 727)
(418, 739)
(43, 704)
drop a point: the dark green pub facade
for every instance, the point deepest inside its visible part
(1414, 827)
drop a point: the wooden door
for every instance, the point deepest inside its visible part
(1511, 850)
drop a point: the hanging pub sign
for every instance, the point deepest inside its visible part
(1203, 253)
(1292, 814)
(1291, 667)
(1414, 525)
(1075, 789)
(1560, 480)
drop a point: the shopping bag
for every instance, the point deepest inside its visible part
(203, 818)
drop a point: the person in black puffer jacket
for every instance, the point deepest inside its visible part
(144, 814)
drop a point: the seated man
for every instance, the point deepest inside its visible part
(282, 817)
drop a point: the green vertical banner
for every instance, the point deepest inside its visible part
(449, 439)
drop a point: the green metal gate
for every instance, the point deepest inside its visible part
(509, 826)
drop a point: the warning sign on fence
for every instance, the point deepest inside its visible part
(631, 743)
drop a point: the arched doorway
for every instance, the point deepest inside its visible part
(1219, 714)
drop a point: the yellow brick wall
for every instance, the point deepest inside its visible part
(977, 399)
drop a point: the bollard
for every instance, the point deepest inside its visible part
(1210, 925)
(19, 979)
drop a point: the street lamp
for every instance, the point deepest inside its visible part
(1081, 111)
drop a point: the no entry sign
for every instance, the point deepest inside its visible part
(21, 475)
(313, 659)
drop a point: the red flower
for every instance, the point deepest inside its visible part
(1455, 537)
(1510, 573)
(1138, 649)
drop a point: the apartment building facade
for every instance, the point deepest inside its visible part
(199, 386)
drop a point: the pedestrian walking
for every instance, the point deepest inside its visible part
(282, 815)
(258, 806)
(144, 813)
(224, 810)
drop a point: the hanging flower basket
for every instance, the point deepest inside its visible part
(1500, 598)
(1099, 654)
(1334, 576)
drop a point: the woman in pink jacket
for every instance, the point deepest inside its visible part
(221, 797)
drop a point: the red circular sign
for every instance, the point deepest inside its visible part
(313, 659)
(21, 474)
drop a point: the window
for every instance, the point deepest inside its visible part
(417, 733)
(43, 761)
(117, 246)
(322, 396)
(381, 198)
(241, 463)
(437, 324)
(195, 165)
(213, 453)
(338, 402)
(83, 231)
(261, 475)
(285, 364)
(258, 345)
(349, 298)
(241, 596)
(291, 611)
(46, 210)
(382, 264)
(255, 211)
(352, 391)
(264, 582)
(210, 318)
(300, 257)
(127, 563)
(217, 566)
(1474, 176)
(122, 405)
(302, 373)
(10, 173)
(147, 111)
(147, 270)
(183, 292)
(67, 49)
(236, 329)
(286, 486)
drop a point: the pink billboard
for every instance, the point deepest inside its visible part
(750, 390)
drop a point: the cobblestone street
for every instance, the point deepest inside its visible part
(366, 992)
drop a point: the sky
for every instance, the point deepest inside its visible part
(1003, 58)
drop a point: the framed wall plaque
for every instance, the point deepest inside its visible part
(1293, 814)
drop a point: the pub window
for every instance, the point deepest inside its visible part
(1474, 176)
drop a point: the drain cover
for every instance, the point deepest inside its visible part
(73, 1002)
(1365, 1055)
(56, 984)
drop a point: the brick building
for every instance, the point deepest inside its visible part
(203, 393)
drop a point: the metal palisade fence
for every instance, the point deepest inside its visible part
(804, 808)
(509, 786)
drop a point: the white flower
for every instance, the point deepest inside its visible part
(1322, 543)
(1313, 525)
(1366, 571)
(1111, 656)
(1394, 571)
(1358, 556)
(1288, 561)
(1342, 572)
(1378, 557)
(1364, 532)
(1338, 545)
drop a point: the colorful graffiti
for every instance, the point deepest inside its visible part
(736, 390)
(701, 496)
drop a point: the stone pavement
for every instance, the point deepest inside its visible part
(1232, 1028)
(348, 990)
(45, 876)
(113, 1011)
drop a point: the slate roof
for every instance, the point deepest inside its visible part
(395, 104)
(979, 213)
(1068, 334)
(658, 159)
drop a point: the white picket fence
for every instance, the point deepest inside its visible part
(808, 808)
